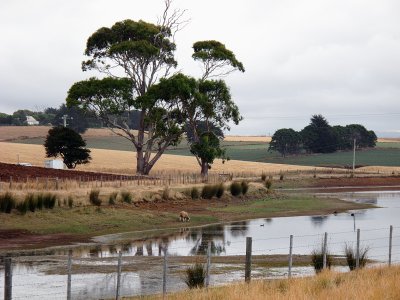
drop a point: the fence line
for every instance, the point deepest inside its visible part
(169, 263)
(163, 178)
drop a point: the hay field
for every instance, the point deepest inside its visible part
(125, 161)
(247, 138)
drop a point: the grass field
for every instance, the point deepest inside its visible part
(374, 283)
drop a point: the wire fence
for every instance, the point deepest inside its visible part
(146, 267)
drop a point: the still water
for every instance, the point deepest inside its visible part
(270, 236)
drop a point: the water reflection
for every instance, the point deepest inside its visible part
(239, 228)
(215, 235)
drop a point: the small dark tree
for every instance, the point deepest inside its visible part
(286, 141)
(67, 144)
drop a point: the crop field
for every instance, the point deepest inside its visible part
(124, 162)
(252, 149)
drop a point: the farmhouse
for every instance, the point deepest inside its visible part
(31, 121)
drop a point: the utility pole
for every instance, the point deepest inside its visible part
(354, 155)
(64, 117)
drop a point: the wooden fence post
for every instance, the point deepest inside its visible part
(290, 256)
(390, 244)
(325, 250)
(69, 269)
(358, 250)
(208, 265)
(119, 275)
(165, 273)
(247, 273)
(7, 279)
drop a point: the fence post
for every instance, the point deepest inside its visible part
(358, 250)
(119, 275)
(390, 244)
(208, 265)
(165, 273)
(247, 273)
(11, 180)
(290, 256)
(7, 279)
(56, 183)
(325, 250)
(69, 267)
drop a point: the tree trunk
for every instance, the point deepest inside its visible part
(140, 163)
(204, 169)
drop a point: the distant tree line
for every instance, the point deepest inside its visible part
(320, 137)
(77, 120)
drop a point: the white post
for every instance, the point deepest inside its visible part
(290, 256)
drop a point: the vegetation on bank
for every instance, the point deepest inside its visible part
(123, 217)
(375, 283)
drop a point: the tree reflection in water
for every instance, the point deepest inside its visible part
(239, 228)
(214, 234)
(318, 221)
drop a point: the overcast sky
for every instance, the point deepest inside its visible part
(338, 58)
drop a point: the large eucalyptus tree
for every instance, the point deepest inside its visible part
(136, 59)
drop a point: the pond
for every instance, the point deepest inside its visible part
(270, 236)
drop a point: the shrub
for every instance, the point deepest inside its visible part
(208, 191)
(165, 194)
(350, 254)
(94, 197)
(194, 193)
(195, 276)
(126, 197)
(39, 201)
(31, 201)
(236, 188)
(49, 200)
(245, 187)
(317, 259)
(112, 198)
(70, 201)
(7, 202)
(22, 207)
(268, 184)
(220, 190)
(263, 177)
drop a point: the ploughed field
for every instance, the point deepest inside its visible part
(21, 173)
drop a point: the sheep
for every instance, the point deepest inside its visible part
(184, 216)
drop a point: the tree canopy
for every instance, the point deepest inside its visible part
(68, 144)
(286, 141)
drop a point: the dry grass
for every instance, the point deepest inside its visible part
(245, 138)
(377, 283)
(125, 161)
(388, 140)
